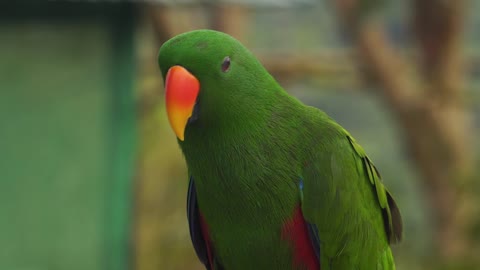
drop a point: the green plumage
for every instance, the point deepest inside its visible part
(248, 151)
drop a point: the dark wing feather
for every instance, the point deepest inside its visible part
(194, 225)
(314, 238)
(312, 229)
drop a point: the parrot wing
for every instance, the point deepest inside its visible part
(199, 230)
(351, 216)
(391, 214)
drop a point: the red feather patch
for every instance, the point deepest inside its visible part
(206, 237)
(295, 231)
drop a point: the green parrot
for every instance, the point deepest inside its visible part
(274, 184)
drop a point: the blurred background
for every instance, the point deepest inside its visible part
(91, 176)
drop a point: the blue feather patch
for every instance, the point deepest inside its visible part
(300, 185)
(312, 229)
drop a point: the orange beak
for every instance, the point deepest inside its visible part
(181, 91)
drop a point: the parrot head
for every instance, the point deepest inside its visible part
(209, 77)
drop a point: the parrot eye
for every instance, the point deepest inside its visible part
(226, 64)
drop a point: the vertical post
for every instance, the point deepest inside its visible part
(118, 229)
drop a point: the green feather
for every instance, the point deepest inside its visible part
(385, 198)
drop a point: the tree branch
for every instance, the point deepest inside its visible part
(387, 67)
(231, 19)
(438, 26)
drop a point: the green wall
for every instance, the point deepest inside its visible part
(67, 136)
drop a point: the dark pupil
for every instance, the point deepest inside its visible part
(226, 64)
